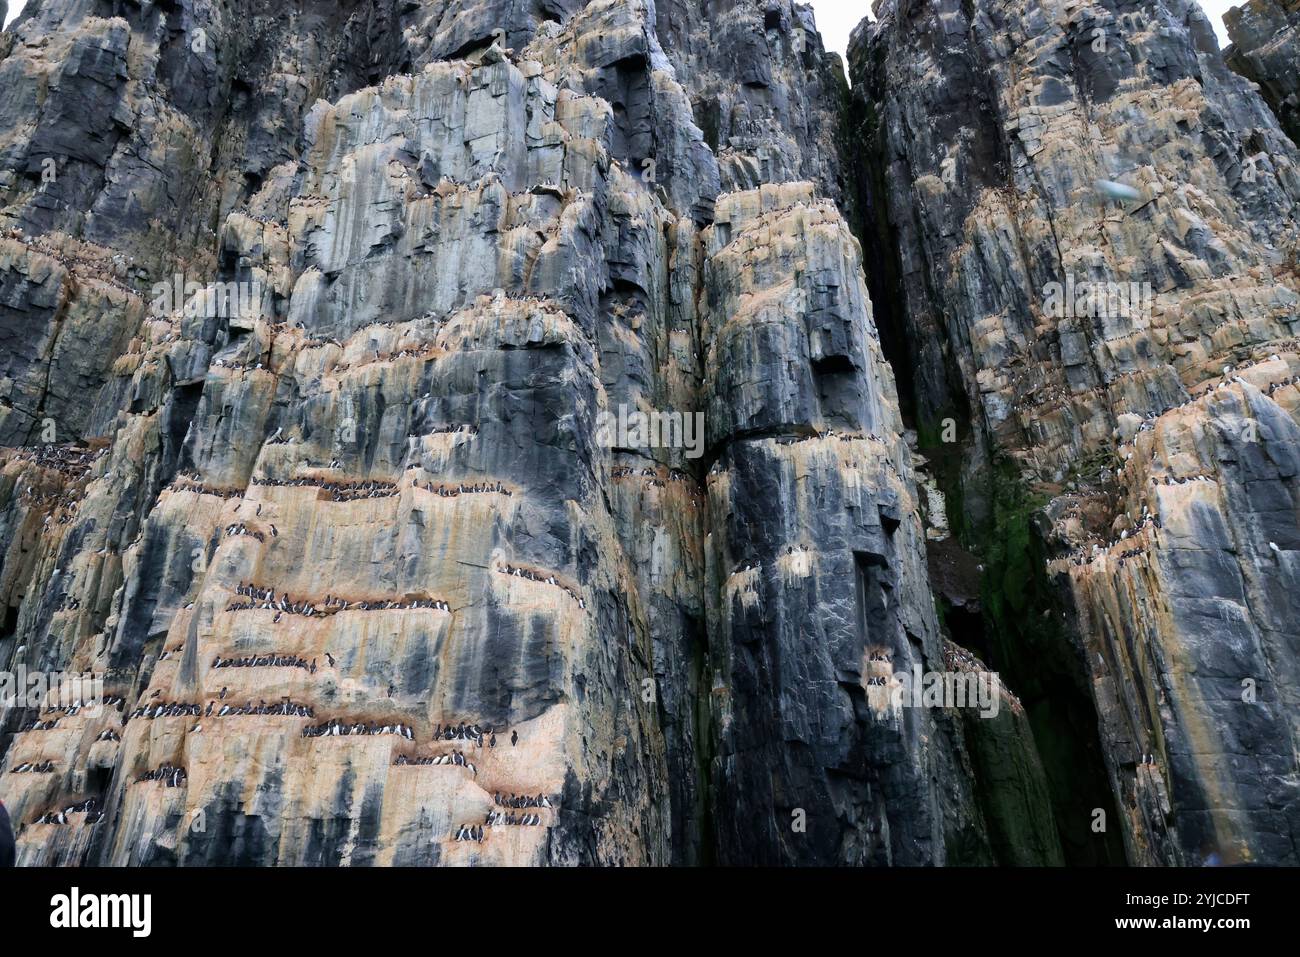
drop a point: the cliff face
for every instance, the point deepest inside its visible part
(368, 580)
(1146, 438)
(315, 322)
(1264, 36)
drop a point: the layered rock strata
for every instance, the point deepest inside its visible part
(366, 578)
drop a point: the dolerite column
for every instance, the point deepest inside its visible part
(816, 564)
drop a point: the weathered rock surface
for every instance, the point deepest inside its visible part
(1265, 38)
(371, 494)
(1150, 451)
(764, 91)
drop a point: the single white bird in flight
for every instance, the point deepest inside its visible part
(1116, 191)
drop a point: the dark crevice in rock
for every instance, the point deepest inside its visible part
(1059, 728)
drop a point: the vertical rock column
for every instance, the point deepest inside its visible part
(817, 580)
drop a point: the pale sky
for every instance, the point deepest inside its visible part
(837, 18)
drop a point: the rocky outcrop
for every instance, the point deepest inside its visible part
(767, 96)
(323, 329)
(416, 377)
(1264, 36)
(794, 589)
(316, 319)
(1136, 439)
